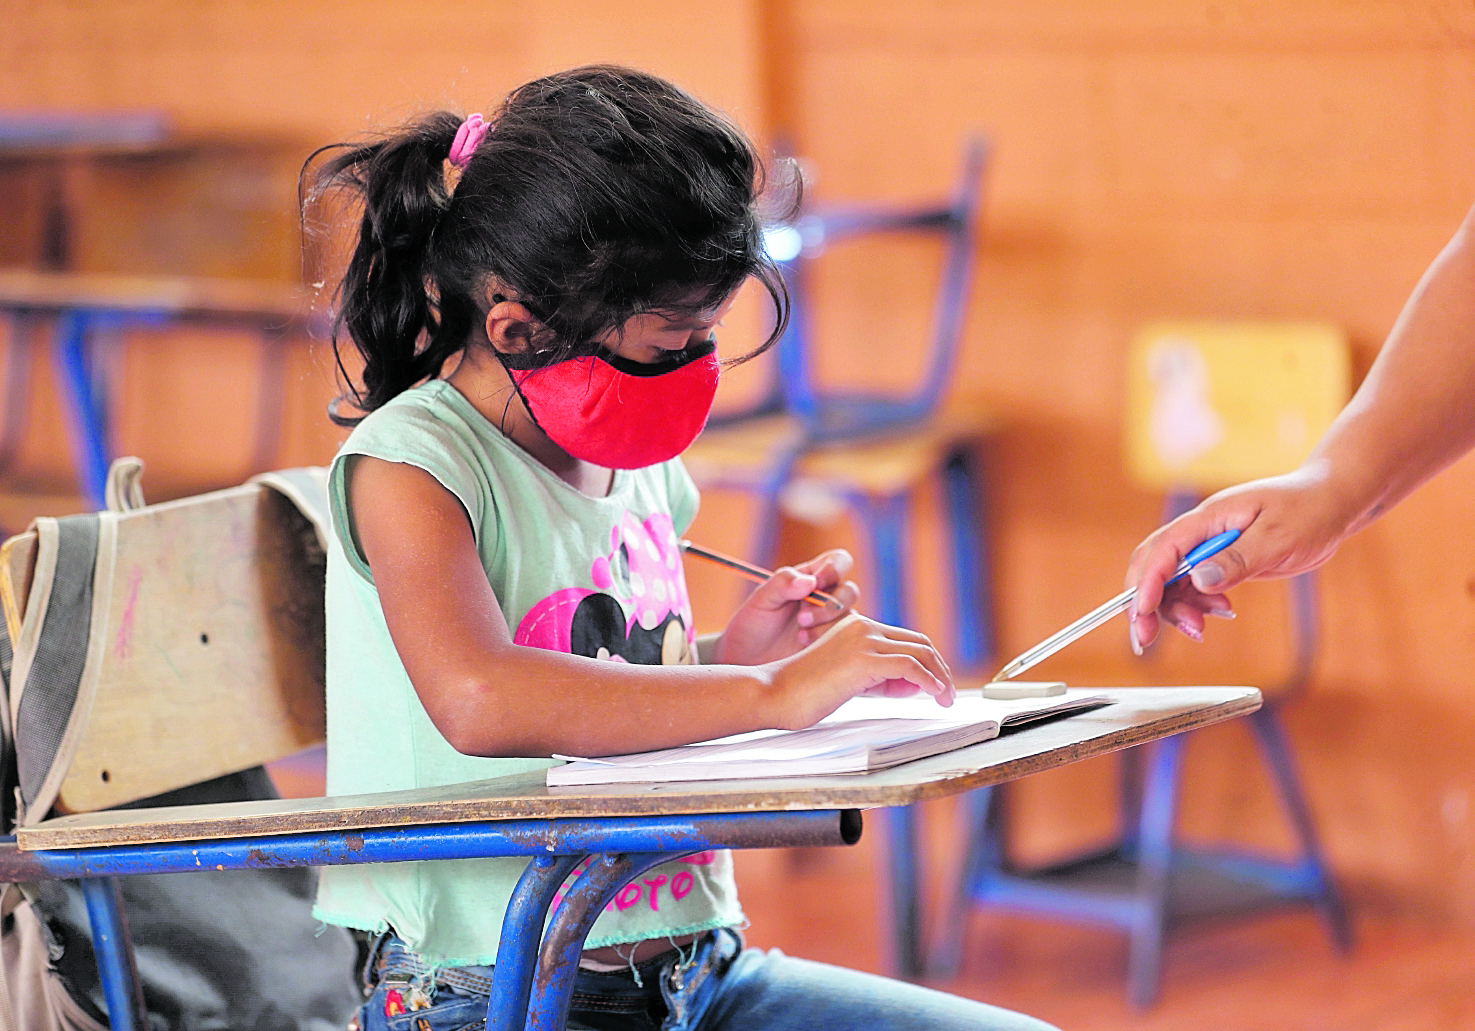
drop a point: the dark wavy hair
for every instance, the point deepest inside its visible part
(600, 193)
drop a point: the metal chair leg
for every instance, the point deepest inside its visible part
(968, 530)
(901, 858)
(116, 966)
(1155, 867)
(885, 523)
(982, 850)
(884, 518)
(73, 331)
(1130, 787)
(1270, 733)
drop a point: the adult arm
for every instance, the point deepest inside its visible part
(1413, 415)
(489, 696)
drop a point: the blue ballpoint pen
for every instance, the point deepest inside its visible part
(1091, 620)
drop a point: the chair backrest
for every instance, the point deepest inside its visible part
(161, 653)
(167, 645)
(1212, 403)
(821, 227)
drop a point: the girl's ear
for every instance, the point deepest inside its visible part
(510, 326)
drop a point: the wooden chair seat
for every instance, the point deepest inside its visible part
(742, 455)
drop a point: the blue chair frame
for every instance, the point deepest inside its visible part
(839, 416)
(831, 418)
(835, 417)
(78, 340)
(1144, 880)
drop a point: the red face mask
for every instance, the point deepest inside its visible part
(621, 414)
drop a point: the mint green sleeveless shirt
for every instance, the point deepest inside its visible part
(597, 576)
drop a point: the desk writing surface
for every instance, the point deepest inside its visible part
(1138, 715)
(183, 296)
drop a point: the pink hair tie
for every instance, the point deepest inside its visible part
(468, 138)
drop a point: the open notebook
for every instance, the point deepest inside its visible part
(862, 735)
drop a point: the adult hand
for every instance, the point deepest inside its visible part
(775, 621)
(1289, 524)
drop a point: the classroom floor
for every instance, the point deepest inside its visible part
(1272, 973)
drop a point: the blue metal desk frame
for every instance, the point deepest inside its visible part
(533, 980)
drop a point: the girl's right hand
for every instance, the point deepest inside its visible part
(856, 656)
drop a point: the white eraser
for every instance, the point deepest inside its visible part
(1006, 689)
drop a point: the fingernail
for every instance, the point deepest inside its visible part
(1132, 636)
(1207, 575)
(1222, 613)
(1189, 631)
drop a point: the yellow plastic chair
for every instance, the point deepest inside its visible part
(1209, 404)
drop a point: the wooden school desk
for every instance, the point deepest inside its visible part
(625, 829)
(79, 306)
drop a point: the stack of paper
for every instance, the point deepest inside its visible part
(862, 735)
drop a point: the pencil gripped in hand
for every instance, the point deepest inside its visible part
(755, 573)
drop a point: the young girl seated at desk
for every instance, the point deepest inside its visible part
(534, 299)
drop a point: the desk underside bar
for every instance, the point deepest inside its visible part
(679, 835)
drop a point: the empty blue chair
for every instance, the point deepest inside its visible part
(1209, 403)
(870, 451)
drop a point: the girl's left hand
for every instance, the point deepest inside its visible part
(776, 621)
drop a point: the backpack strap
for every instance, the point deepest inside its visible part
(53, 675)
(123, 490)
(307, 488)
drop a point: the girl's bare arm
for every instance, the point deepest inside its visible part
(490, 697)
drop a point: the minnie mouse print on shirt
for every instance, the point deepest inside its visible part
(639, 611)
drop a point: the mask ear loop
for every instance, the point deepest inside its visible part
(516, 387)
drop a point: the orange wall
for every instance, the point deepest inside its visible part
(1290, 159)
(324, 68)
(1276, 159)
(314, 72)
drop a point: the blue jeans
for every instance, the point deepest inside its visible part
(717, 985)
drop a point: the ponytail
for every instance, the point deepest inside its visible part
(598, 194)
(402, 324)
